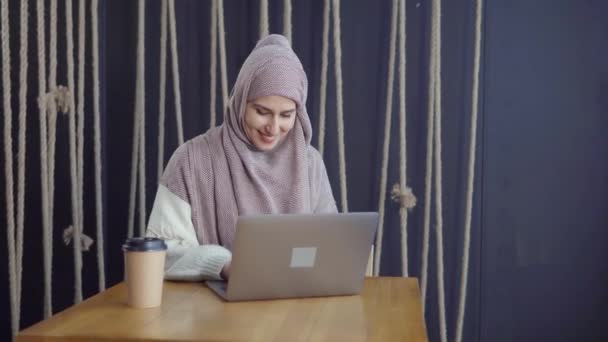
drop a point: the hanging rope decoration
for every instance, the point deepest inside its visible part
(42, 105)
(436, 50)
(52, 116)
(287, 19)
(339, 102)
(263, 18)
(69, 233)
(162, 82)
(386, 142)
(14, 230)
(138, 152)
(222, 46)
(8, 164)
(21, 161)
(402, 194)
(168, 13)
(78, 230)
(335, 4)
(216, 33)
(97, 138)
(213, 64)
(323, 86)
(175, 67)
(429, 174)
(404, 197)
(471, 173)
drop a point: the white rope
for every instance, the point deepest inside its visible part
(403, 209)
(287, 19)
(339, 102)
(74, 175)
(387, 136)
(141, 93)
(429, 174)
(213, 64)
(323, 87)
(471, 174)
(52, 114)
(162, 86)
(46, 234)
(176, 83)
(263, 18)
(436, 42)
(138, 152)
(78, 230)
(222, 44)
(21, 155)
(134, 160)
(8, 165)
(97, 133)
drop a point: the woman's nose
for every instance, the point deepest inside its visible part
(273, 127)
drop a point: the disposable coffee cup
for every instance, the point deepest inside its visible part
(144, 270)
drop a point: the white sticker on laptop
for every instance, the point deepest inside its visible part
(303, 257)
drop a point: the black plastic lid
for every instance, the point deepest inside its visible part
(141, 244)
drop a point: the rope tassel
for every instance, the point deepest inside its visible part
(85, 241)
(60, 97)
(405, 197)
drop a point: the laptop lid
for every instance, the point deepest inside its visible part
(287, 255)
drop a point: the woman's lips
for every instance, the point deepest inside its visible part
(266, 139)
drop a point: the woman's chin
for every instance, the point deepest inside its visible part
(264, 146)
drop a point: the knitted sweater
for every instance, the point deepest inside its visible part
(187, 259)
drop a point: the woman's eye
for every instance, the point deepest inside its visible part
(286, 115)
(260, 111)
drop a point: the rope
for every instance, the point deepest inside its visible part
(403, 209)
(287, 19)
(429, 172)
(162, 86)
(263, 18)
(134, 161)
(386, 142)
(72, 138)
(138, 164)
(52, 115)
(136, 132)
(44, 157)
(141, 93)
(8, 165)
(471, 173)
(339, 100)
(213, 64)
(97, 133)
(323, 87)
(21, 154)
(78, 229)
(436, 42)
(222, 41)
(175, 65)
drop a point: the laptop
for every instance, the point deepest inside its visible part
(298, 255)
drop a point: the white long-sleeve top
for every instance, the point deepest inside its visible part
(186, 259)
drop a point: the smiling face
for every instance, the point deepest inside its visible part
(268, 119)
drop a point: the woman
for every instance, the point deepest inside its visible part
(259, 161)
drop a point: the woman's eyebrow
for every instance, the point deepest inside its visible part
(289, 111)
(271, 111)
(262, 107)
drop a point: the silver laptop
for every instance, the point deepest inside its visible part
(288, 256)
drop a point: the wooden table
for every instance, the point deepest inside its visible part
(388, 309)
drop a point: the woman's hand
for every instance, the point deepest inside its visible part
(226, 271)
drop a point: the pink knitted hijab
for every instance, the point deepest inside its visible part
(222, 175)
